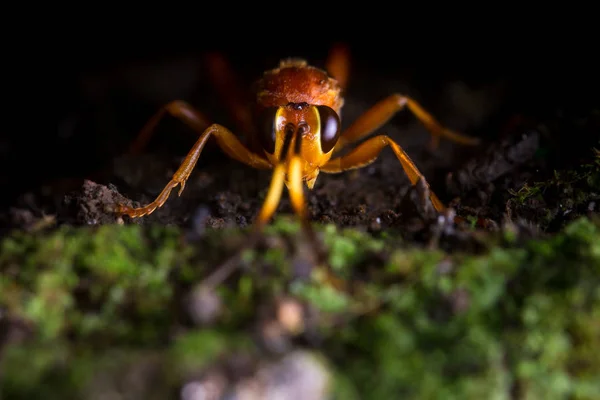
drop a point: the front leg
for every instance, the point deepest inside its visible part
(368, 152)
(384, 110)
(338, 64)
(226, 141)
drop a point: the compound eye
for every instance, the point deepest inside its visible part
(330, 128)
(267, 129)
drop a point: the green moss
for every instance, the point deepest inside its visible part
(518, 319)
(82, 282)
(343, 249)
(562, 197)
(199, 349)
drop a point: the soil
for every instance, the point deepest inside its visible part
(521, 143)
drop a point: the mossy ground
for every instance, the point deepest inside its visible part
(119, 308)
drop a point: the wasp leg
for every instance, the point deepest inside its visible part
(273, 197)
(267, 210)
(292, 170)
(296, 190)
(385, 109)
(338, 64)
(226, 140)
(368, 151)
(178, 109)
(270, 204)
(229, 88)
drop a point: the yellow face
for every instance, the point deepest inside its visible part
(307, 130)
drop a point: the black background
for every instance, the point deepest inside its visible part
(547, 69)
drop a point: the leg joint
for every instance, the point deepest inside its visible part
(400, 99)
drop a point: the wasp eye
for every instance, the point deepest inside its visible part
(330, 128)
(267, 129)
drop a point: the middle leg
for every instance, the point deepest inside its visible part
(385, 109)
(230, 90)
(228, 87)
(178, 109)
(367, 152)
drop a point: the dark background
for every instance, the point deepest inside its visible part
(99, 108)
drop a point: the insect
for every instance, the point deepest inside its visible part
(294, 128)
